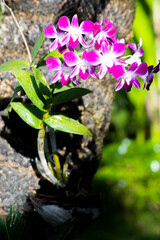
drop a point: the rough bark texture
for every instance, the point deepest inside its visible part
(93, 110)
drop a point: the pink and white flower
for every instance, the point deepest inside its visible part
(106, 34)
(108, 58)
(63, 71)
(60, 38)
(81, 65)
(129, 77)
(74, 31)
(137, 52)
(107, 54)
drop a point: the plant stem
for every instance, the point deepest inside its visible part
(19, 28)
(52, 139)
(41, 137)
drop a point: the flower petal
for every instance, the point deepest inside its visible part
(117, 71)
(127, 87)
(74, 80)
(83, 75)
(136, 83)
(105, 49)
(71, 59)
(50, 31)
(82, 42)
(53, 64)
(119, 85)
(62, 49)
(57, 76)
(84, 54)
(74, 22)
(91, 43)
(86, 27)
(107, 25)
(133, 67)
(54, 45)
(75, 72)
(132, 46)
(92, 72)
(156, 69)
(142, 69)
(102, 72)
(96, 29)
(64, 23)
(64, 81)
(93, 58)
(73, 43)
(149, 81)
(98, 45)
(112, 32)
(118, 49)
(65, 40)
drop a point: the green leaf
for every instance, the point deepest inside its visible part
(30, 114)
(15, 64)
(17, 89)
(66, 124)
(42, 83)
(30, 87)
(55, 54)
(69, 95)
(58, 87)
(37, 45)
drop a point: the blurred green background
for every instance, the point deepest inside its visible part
(129, 174)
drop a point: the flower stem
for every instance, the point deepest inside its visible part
(20, 30)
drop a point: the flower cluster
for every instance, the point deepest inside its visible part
(102, 50)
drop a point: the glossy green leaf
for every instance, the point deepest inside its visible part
(37, 45)
(58, 87)
(17, 89)
(30, 87)
(30, 114)
(54, 54)
(66, 124)
(15, 64)
(69, 95)
(42, 83)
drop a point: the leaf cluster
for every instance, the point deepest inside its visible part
(42, 95)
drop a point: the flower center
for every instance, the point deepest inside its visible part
(108, 59)
(128, 76)
(84, 65)
(66, 72)
(74, 33)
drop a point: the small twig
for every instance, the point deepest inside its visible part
(19, 28)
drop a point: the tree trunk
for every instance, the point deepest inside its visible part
(94, 110)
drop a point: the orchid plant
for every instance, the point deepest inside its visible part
(100, 52)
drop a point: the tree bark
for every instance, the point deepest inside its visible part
(94, 110)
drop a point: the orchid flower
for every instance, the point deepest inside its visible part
(150, 76)
(129, 77)
(108, 58)
(63, 71)
(74, 31)
(107, 55)
(137, 52)
(106, 34)
(60, 38)
(81, 65)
